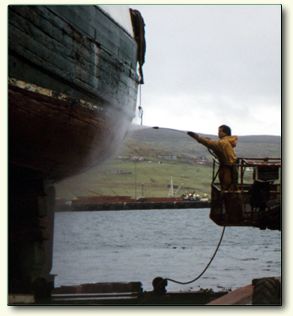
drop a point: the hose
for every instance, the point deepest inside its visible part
(204, 270)
(163, 281)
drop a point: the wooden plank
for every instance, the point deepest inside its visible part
(241, 296)
(106, 83)
(91, 20)
(70, 19)
(57, 55)
(33, 37)
(67, 42)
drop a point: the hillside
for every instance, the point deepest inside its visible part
(148, 158)
(151, 142)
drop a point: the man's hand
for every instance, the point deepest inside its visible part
(192, 134)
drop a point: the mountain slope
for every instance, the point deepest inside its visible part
(150, 142)
(148, 158)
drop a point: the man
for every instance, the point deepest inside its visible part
(224, 151)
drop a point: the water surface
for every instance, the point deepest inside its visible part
(124, 246)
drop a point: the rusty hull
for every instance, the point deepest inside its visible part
(59, 136)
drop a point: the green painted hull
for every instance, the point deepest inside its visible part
(72, 88)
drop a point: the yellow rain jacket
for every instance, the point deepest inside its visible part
(223, 148)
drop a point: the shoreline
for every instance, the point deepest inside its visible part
(131, 205)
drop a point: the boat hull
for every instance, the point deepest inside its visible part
(72, 94)
(59, 137)
(72, 87)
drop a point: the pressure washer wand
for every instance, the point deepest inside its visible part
(171, 129)
(191, 134)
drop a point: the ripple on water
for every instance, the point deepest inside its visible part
(139, 245)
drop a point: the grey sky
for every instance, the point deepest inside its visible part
(208, 65)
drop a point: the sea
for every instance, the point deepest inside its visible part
(139, 245)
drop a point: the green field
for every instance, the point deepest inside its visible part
(137, 179)
(148, 159)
